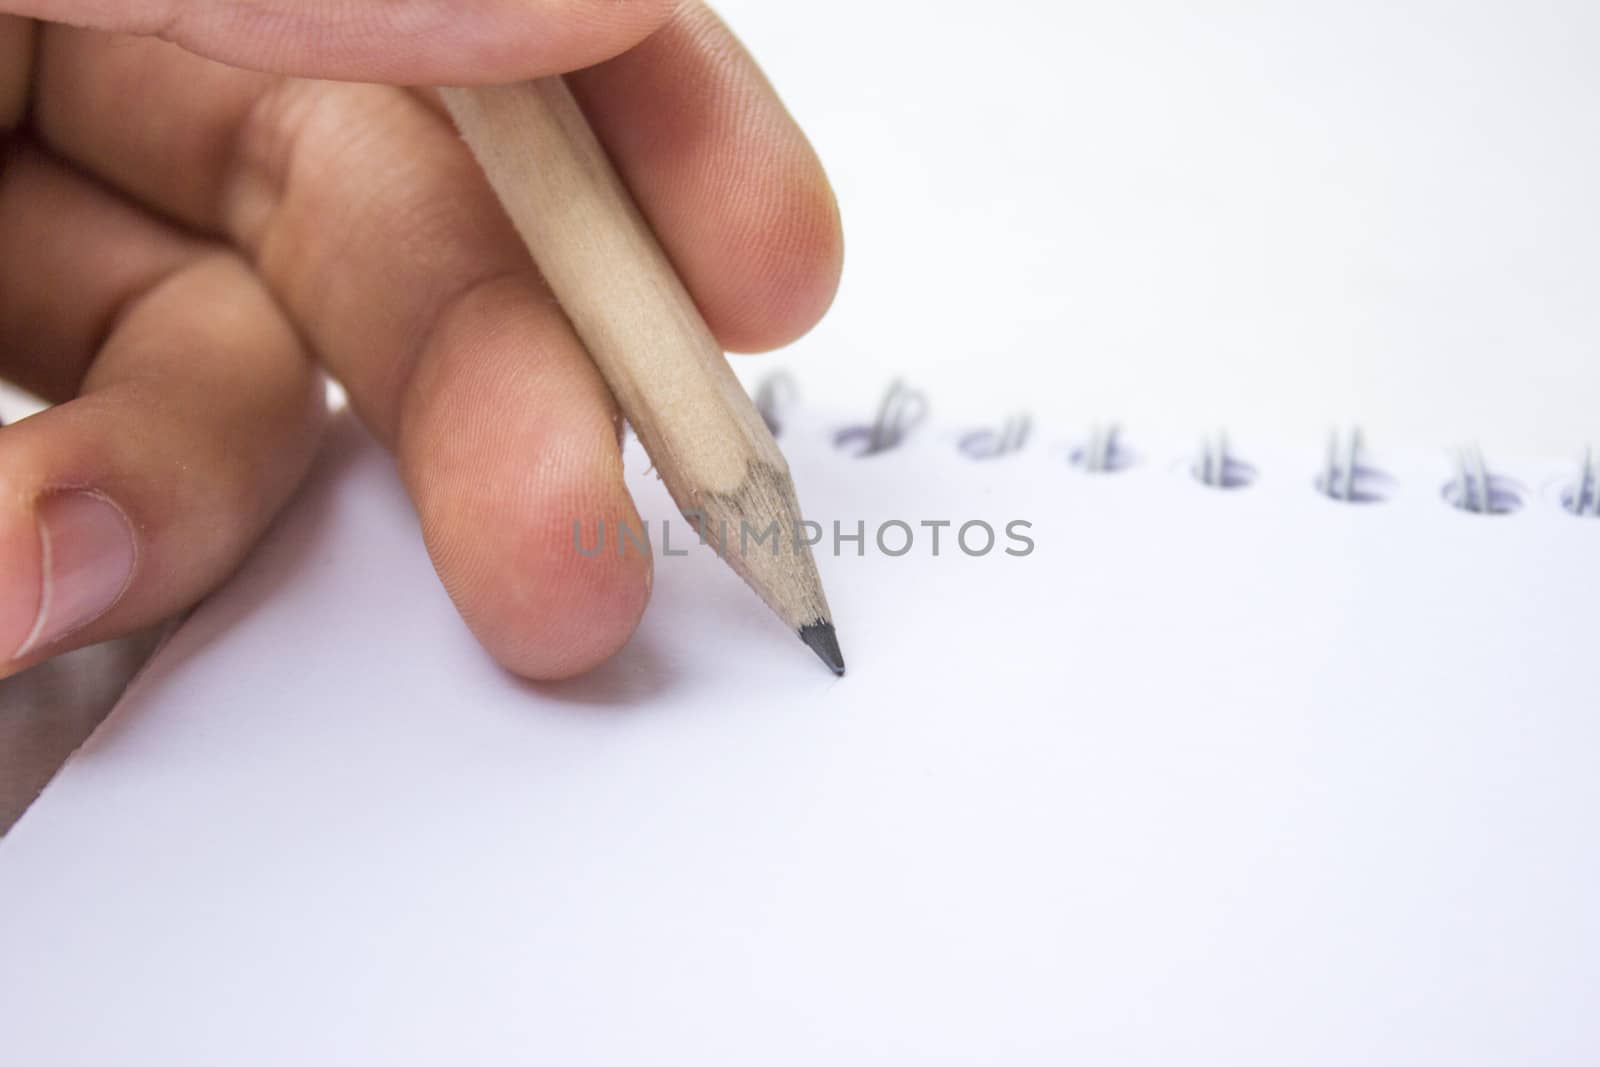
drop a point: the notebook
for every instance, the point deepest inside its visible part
(1176, 751)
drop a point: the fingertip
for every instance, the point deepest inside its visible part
(508, 446)
(538, 565)
(730, 184)
(21, 580)
(584, 608)
(402, 42)
(795, 242)
(519, 39)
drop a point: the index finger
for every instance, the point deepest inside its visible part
(402, 42)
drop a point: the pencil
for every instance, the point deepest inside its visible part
(645, 334)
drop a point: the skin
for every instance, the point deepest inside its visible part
(188, 228)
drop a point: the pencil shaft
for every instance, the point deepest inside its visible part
(643, 330)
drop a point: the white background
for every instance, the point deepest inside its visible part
(1181, 214)
(1269, 216)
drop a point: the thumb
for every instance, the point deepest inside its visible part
(403, 42)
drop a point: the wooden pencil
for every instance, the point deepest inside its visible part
(645, 334)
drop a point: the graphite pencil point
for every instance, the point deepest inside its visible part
(821, 639)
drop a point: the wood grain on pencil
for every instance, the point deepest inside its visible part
(644, 332)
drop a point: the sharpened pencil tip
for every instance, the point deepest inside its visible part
(821, 639)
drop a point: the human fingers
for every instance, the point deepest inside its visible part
(380, 236)
(192, 423)
(402, 42)
(16, 69)
(730, 184)
(364, 211)
(725, 176)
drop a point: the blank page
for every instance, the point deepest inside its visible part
(1245, 777)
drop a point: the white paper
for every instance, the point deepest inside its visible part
(1210, 777)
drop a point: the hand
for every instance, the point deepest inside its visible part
(180, 240)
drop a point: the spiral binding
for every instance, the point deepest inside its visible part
(901, 410)
(1339, 479)
(1217, 468)
(1103, 452)
(992, 443)
(774, 397)
(1345, 476)
(1478, 491)
(1583, 498)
